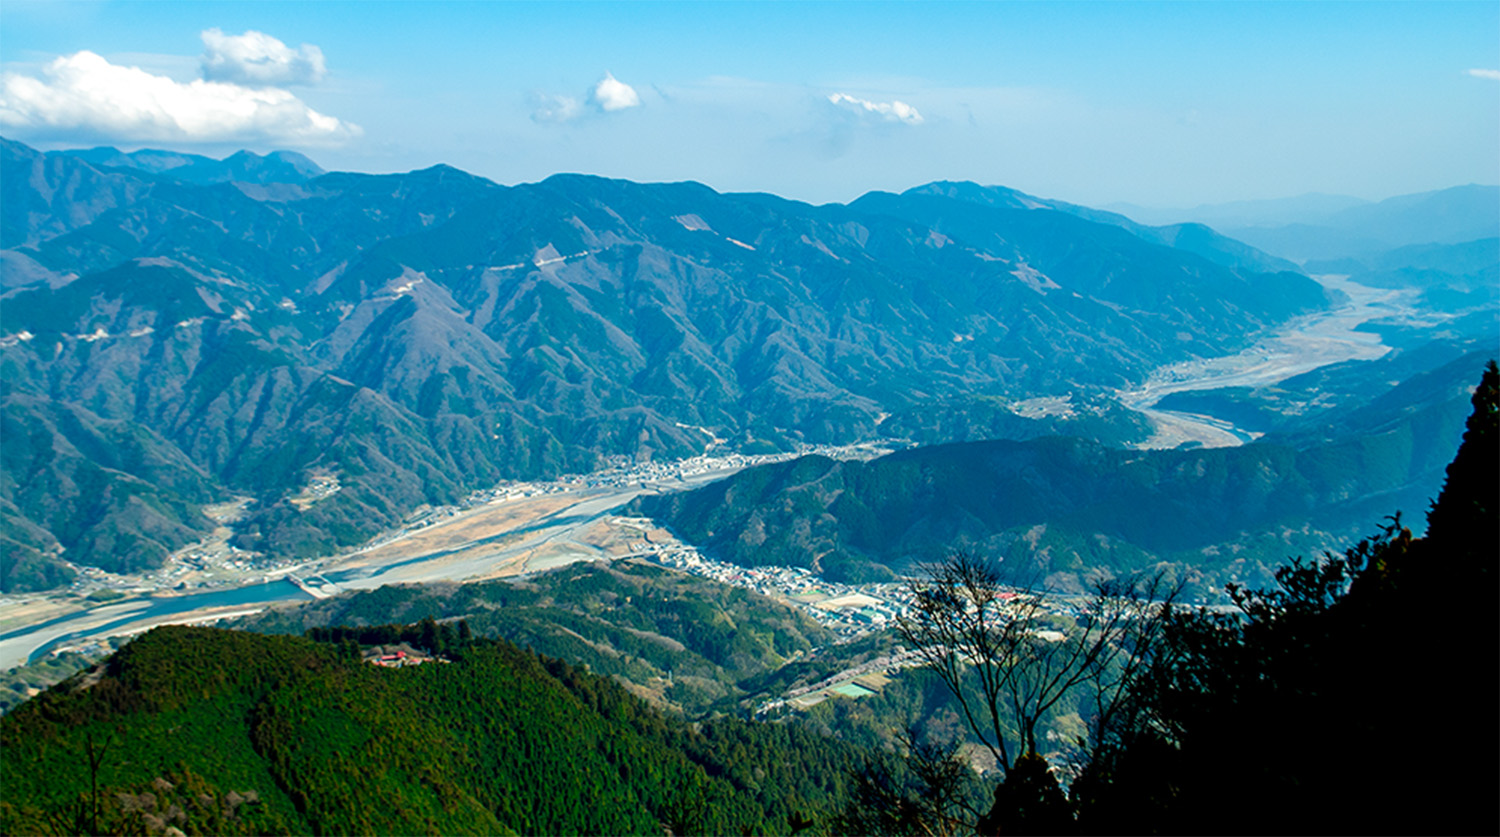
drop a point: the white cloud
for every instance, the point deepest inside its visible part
(611, 94)
(550, 108)
(256, 59)
(892, 111)
(83, 95)
(1491, 74)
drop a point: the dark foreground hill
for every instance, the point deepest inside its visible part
(223, 732)
(168, 341)
(1286, 713)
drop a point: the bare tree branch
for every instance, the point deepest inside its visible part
(970, 629)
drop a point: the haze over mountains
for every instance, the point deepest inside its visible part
(168, 342)
(1322, 227)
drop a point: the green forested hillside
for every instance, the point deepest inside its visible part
(224, 732)
(686, 643)
(689, 642)
(1089, 415)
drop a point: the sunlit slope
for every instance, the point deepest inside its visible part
(689, 642)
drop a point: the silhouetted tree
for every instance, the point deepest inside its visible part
(993, 647)
(928, 792)
(1029, 801)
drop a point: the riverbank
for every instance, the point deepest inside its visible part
(1303, 345)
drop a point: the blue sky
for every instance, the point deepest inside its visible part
(1162, 104)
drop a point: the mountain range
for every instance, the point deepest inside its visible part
(175, 332)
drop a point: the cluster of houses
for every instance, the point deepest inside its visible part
(321, 487)
(623, 471)
(849, 611)
(398, 656)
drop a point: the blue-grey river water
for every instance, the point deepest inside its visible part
(33, 641)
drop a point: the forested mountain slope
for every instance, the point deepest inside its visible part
(1065, 509)
(423, 334)
(240, 733)
(687, 642)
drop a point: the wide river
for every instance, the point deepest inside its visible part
(1303, 345)
(1306, 344)
(580, 510)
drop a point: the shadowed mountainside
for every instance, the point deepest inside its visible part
(1066, 509)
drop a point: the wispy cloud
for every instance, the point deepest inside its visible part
(1490, 74)
(611, 94)
(550, 108)
(892, 111)
(256, 59)
(84, 96)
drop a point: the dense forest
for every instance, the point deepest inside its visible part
(229, 732)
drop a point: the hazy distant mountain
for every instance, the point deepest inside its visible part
(1310, 208)
(1453, 278)
(242, 166)
(1448, 216)
(44, 195)
(1469, 257)
(1326, 227)
(422, 334)
(1192, 237)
